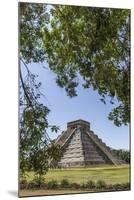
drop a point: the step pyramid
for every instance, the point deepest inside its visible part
(81, 147)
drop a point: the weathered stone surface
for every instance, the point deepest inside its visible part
(81, 147)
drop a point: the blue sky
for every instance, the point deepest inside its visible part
(86, 106)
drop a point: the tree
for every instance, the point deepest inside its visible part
(35, 144)
(123, 154)
(32, 19)
(95, 44)
(35, 148)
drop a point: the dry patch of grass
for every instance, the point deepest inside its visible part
(24, 193)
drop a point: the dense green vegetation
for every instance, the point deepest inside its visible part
(95, 44)
(123, 154)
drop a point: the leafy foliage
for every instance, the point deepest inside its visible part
(36, 148)
(123, 154)
(33, 18)
(53, 184)
(38, 181)
(100, 184)
(95, 44)
(90, 184)
(93, 186)
(64, 183)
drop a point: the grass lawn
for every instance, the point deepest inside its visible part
(110, 174)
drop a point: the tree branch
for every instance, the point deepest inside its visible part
(25, 65)
(24, 89)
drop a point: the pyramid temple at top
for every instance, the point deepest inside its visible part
(81, 147)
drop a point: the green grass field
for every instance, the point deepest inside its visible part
(110, 174)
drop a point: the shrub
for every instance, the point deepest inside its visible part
(83, 185)
(117, 186)
(53, 184)
(100, 184)
(38, 182)
(31, 185)
(90, 184)
(122, 186)
(126, 185)
(64, 183)
(109, 187)
(75, 185)
(23, 184)
(23, 181)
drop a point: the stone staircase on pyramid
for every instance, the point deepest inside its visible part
(81, 147)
